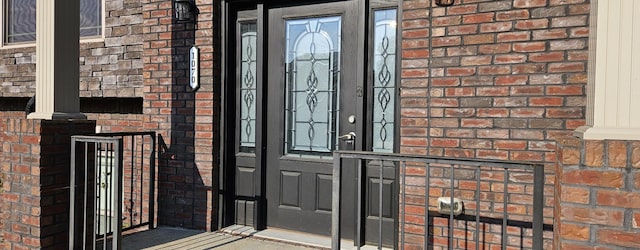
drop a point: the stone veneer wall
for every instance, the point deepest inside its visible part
(597, 190)
(35, 160)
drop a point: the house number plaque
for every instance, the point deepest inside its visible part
(193, 68)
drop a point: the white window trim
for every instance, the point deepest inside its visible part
(88, 39)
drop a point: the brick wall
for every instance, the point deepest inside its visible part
(597, 195)
(508, 77)
(493, 79)
(35, 161)
(184, 118)
(109, 67)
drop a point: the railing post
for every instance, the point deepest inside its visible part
(538, 206)
(335, 202)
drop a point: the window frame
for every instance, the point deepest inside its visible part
(87, 39)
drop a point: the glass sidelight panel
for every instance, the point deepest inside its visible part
(312, 78)
(384, 79)
(247, 80)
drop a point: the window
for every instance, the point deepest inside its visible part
(19, 22)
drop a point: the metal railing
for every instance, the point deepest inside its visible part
(112, 187)
(476, 190)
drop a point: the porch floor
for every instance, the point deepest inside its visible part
(234, 237)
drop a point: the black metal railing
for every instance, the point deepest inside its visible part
(457, 194)
(112, 187)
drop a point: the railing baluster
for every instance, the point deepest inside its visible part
(478, 193)
(451, 221)
(403, 170)
(426, 205)
(504, 209)
(359, 204)
(380, 190)
(335, 202)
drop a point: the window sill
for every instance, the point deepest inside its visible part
(33, 44)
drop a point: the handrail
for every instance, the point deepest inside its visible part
(442, 162)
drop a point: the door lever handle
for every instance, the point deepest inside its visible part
(348, 136)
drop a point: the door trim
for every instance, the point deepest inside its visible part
(227, 96)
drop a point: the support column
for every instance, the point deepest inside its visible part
(57, 68)
(614, 79)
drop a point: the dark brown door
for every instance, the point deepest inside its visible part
(311, 102)
(303, 76)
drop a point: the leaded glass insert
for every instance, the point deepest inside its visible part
(312, 77)
(384, 84)
(247, 87)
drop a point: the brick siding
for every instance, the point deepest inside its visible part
(35, 160)
(597, 195)
(109, 67)
(508, 77)
(492, 79)
(184, 118)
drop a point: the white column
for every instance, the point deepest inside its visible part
(613, 91)
(57, 53)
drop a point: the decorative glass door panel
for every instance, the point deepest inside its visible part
(312, 76)
(384, 78)
(248, 84)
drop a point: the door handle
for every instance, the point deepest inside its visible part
(348, 136)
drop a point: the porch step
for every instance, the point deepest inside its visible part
(291, 237)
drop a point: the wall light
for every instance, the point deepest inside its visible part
(185, 10)
(444, 2)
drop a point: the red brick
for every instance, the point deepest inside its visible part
(575, 232)
(550, 34)
(529, 3)
(617, 154)
(462, 71)
(435, 142)
(511, 80)
(618, 199)
(546, 101)
(462, 30)
(565, 90)
(475, 60)
(446, 41)
(479, 39)
(547, 57)
(478, 18)
(494, 70)
(570, 21)
(446, 21)
(590, 215)
(619, 238)
(594, 151)
(577, 195)
(494, 48)
(566, 67)
(462, 9)
(529, 68)
(532, 24)
(418, 53)
(476, 123)
(510, 59)
(594, 178)
(496, 27)
(529, 47)
(636, 220)
(512, 15)
(514, 36)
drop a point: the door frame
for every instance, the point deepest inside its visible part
(227, 123)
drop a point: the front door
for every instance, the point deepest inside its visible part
(301, 77)
(312, 100)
